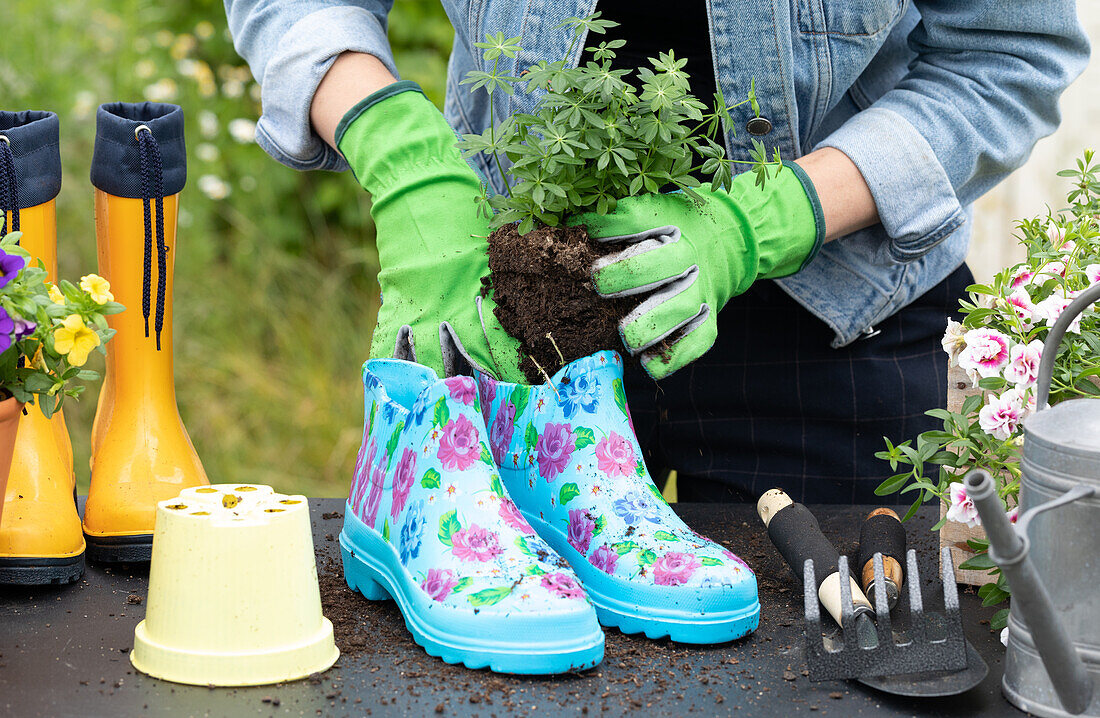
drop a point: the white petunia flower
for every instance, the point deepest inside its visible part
(1023, 364)
(962, 509)
(986, 352)
(1002, 415)
(954, 339)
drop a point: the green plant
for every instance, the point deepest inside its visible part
(999, 343)
(46, 331)
(595, 136)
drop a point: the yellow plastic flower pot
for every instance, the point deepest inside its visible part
(233, 594)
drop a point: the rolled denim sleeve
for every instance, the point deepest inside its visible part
(290, 45)
(982, 90)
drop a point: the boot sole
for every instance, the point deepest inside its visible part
(120, 549)
(372, 567)
(40, 570)
(632, 613)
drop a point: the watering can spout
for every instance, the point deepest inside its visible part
(1008, 548)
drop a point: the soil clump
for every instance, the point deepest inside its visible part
(542, 285)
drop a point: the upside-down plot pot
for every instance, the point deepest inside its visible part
(542, 285)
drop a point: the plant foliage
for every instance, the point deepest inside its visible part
(599, 134)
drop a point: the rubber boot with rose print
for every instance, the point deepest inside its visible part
(429, 523)
(569, 458)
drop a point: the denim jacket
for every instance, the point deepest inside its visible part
(934, 100)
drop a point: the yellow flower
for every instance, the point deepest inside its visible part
(56, 295)
(98, 287)
(75, 339)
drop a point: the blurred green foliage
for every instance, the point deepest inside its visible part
(275, 294)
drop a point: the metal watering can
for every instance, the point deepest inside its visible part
(1052, 561)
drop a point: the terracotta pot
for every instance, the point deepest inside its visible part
(10, 411)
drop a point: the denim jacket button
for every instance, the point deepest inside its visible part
(759, 126)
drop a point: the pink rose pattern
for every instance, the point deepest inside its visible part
(555, 446)
(407, 460)
(459, 447)
(615, 456)
(595, 489)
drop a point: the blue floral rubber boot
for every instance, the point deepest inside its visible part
(429, 523)
(569, 458)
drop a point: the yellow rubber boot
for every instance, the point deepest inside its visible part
(40, 536)
(144, 454)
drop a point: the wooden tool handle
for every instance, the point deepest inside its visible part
(797, 535)
(883, 533)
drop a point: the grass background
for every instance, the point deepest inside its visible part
(275, 292)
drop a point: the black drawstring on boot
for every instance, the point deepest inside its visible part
(152, 189)
(9, 188)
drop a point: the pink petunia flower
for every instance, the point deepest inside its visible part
(985, 353)
(1023, 366)
(1052, 307)
(459, 447)
(1013, 513)
(511, 516)
(500, 433)
(1002, 415)
(554, 448)
(1020, 302)
(605, 559)
(475, 544)
(564, 585)
(439, 583)
(403, 479)
(962, 509)
(954, 339)
(615, 456)
(581, 529)
(462, 388)
(674, 568)
(1092, 273)
(1021, 276)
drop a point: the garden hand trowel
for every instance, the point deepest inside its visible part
(933, 659)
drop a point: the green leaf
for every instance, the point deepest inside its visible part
(386, 530)
(370, 421)
(619, 394)
(708, 561)
(624, 547)
(981, 562)
(495, 486)
(601, 523)
(395, 437)
(431, 479)
(646, 558)
(448, 525)
(531, 436)
(441, 415)
(486, 455)
(992, 383)
(490, 596)
(665, 536)
(521, 543)
(568, 493)
(999, 620)
(584, 437)
(462, 585)
(534, 570)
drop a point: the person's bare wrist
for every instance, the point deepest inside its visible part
(353, 76)
(846, 200)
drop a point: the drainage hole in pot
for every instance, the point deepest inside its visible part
(177, 506)
(206, 490)
(273, 511)
(201, 513)
(290, 501)
(229, 501)
(245, 488)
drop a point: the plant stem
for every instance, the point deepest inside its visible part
(492, 134)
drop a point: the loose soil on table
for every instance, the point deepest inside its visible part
(542, 284)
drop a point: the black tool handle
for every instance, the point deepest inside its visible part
(797, 535)
(883, 533)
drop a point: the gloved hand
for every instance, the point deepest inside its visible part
(431, 241)
(687, 259)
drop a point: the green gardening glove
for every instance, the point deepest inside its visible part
(685, 259)
(432, 245)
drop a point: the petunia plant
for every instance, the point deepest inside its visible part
(999, 344)
(48, 330)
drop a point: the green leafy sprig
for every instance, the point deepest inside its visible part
(598, 134)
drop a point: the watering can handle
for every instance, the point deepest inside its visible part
(1054, 339)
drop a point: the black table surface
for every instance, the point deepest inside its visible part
(64, 652)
